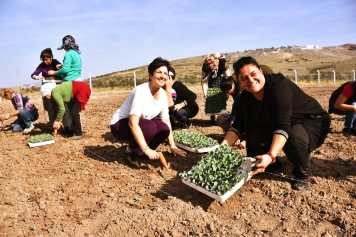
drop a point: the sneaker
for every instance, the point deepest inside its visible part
(130, 159)
(75, 137)
(29, 129)
(346, 132)
(302, 182)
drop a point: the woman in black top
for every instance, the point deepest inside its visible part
(214, 69)
(276, 114)
(181, 100)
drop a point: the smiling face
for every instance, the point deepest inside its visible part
(159, 76)
(252, 80)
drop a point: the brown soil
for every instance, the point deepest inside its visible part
(83, 188)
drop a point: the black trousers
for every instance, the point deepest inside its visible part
(296, 148)
(185, 113)
(74, 108)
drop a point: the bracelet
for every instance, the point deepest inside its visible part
(144, 150)
(272, 157)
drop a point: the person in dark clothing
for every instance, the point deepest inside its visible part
(276, 114)
(181, 101)
(343, 102)
(215, 67)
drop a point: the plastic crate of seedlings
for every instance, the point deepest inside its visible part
(215, 174)
(194, 142)
(215, 102)
(40, 140)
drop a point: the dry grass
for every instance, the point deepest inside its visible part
(341, 59)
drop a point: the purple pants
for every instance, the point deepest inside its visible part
(154, 131)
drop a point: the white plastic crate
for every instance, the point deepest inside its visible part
(40, 143)
(196, 150)
(225, 196)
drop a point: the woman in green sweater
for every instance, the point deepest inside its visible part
(76, 94)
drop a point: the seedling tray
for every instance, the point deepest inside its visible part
(196, 150)
(221, 198)
(40, 143)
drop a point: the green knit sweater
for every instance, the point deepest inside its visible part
(62, 94)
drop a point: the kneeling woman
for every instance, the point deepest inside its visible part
(76, 94)
(276, 114)
(143, 118)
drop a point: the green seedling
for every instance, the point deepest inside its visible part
(282, 192)
(193, 139)
(40, 138)
(216, 171)
(215, 101)
(137, 199)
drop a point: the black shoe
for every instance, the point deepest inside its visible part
(66, 132)
(185, 126)
(275, 167)
(302, 182)
(346, 132)
(130, 159)
(212, 122)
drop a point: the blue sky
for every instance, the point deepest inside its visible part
(119, 35)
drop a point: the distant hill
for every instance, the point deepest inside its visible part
(286, 59)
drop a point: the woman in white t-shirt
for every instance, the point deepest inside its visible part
(143, 117)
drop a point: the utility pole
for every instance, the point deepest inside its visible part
(18, 77)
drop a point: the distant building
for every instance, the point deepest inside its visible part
(311, 47)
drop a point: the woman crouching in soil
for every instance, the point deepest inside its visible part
(25, 111)
(143, 118)
(276, 114)
(76, 94)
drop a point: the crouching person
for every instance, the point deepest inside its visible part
(275, 114)
(25, 110)
(76, 94)
(143, 118)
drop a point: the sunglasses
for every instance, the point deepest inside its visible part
(244, 61)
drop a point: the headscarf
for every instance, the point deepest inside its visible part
(69, 41)
(212, 62)
(47, 88)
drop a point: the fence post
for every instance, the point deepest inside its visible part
(353, 71)
(135, 78)
(91, 91)
(334, 77)
(318, 77)
(296, 77)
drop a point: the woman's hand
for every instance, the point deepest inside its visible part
(56, 124)
(240, 145)
(176, 151)
(265, 160)
(51, 72)
(152, 154)
(59, 66)
(5, 117)
(178, 106)
(169, 83)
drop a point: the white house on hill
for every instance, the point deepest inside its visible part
(311, 47)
